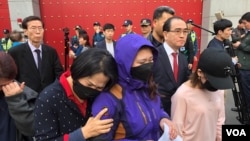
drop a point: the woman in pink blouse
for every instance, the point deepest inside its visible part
(198, 107)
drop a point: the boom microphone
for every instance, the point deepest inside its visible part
(202, 28)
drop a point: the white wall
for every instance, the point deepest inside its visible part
(22, 9)
(232, 9)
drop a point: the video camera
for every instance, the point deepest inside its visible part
(66, 31)
(66, 34)
(235, 38)
(237, 91)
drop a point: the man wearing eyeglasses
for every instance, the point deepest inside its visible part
(171, 67)
(38, 64)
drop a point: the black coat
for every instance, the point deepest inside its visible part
(102, 44)
(164, 76)
(27, 69)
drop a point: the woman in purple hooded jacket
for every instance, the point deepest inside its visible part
(134, 103)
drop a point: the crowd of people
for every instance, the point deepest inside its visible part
(127, 89)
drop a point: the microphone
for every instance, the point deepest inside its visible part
(190, 21)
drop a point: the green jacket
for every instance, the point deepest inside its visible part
(6, 44)
(243, 52)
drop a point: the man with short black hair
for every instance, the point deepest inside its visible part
(108, 43)
(161, 14)
(38, 64)
(239, 32)
(146, 27)
(222, 30)
(243, 53)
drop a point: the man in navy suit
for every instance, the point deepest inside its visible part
(38, 64)
(170, 73)
(108, 43)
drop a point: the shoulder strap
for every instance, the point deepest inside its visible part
(120, 131)
(117, 91)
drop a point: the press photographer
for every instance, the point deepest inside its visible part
(243, 53)
(239, 32)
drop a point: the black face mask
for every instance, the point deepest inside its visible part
(142, 72)
(209, 87)
(84, 92)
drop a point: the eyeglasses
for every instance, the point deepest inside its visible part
(34, 29)
(179, 31)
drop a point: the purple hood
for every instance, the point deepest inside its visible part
(125, 52)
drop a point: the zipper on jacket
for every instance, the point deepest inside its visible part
(143, 114)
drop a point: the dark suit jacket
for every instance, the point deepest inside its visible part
(164, 76)
(27, 69)
(215, 43)
(102, 44)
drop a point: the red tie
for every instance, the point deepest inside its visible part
(175, 67)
